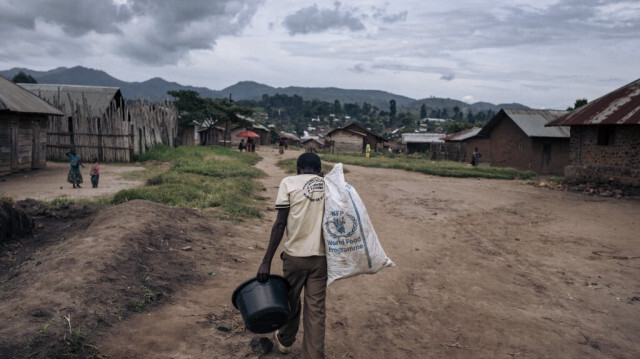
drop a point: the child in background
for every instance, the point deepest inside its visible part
(95, 173)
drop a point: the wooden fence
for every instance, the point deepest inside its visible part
(116, 135)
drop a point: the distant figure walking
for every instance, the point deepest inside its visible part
(95, 173)
(75, 162)
(281, 145)
(475, 157)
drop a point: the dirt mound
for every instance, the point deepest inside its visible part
(14, 222)
(86, 268)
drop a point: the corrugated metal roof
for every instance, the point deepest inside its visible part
(531, 122)
(13, 98)
(98, 98)
(464, 134)
(422, 138)
(620, 107)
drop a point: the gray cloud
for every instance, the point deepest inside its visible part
(149, 31)
(382, 15)
(312, 19)
(75, 17)
(448, 77)
(358, 68)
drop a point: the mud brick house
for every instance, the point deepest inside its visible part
(23, 128)
(467, 141)
(605, 138)
(354, 138)
(519, 139)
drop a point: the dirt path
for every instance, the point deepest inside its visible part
(485, 269)
(51, 182)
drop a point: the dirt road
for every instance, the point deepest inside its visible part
(485, 269)
(51, 182)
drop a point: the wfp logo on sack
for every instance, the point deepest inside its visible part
(340, 224)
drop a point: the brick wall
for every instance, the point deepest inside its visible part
(619, 160)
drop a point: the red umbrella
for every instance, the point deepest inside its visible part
(248, 134)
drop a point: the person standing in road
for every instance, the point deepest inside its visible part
(95, 173)
(75, 162)
(300, 206)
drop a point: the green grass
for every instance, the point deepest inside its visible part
(196, 177)
(417, 163)
(200, 177)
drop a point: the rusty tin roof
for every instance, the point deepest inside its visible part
(619, 107)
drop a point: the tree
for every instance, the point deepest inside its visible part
(423, 111)
(579, 102)
(191, 107)
(392, 108)
(21, 77)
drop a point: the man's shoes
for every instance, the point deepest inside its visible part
(281, 348)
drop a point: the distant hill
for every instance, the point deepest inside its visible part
(156, 88)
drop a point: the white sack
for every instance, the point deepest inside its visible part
(351, 243)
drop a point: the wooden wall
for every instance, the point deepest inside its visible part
(346, 142)
(22, 142)
(122, 132)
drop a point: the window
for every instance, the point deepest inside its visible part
(606, 135)
(521, 145)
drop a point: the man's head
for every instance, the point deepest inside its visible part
(309, 163)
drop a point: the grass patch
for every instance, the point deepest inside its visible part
(435, 168)
(201, 177)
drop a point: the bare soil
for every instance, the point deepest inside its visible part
(485, 269)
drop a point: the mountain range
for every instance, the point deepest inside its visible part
(156, 88)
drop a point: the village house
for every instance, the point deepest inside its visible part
(23, 128)
(98, 123)
(354, 138)
(290, 139)
(605, 138)
(468, 140)
(421, 142)
(312, 144)
(519, 139)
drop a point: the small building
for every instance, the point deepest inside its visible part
(605, 138)
(421, 142)
(354, 138)
(265, 134)
(519, 139)
(468, 140)
(312, 144)
(23, 128)
(290, 139)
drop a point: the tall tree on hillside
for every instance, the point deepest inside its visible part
(423, 111)
(23, 78)
(392, 108)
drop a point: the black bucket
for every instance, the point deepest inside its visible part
(264, 306)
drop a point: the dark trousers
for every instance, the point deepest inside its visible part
(94, 180)
(310, 274)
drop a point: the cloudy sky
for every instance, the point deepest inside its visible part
(544, 53)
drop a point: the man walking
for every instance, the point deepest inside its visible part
(300, 206)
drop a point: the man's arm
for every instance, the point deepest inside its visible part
(277, 231)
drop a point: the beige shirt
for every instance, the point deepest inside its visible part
(304, 196)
